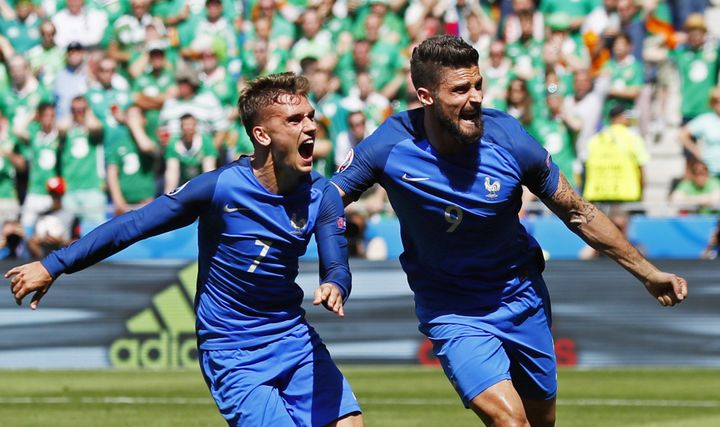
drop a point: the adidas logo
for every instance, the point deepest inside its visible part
(162, 336)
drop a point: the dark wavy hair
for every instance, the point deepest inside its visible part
(432, 55)
(265, 91)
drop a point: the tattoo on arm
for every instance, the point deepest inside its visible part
(570, 207)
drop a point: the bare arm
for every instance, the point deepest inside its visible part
(113, 182)
(209, 163)
(137, 67)
(172, 174)
(688, 143)
(596, 229)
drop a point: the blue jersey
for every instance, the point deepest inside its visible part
(249, 243)
(458, 214)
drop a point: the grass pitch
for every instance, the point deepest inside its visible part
(395, 396)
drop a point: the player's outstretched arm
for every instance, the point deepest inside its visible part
(29, 278)
(330, 297)
(596, 229)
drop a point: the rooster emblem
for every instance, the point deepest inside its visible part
(492, 188)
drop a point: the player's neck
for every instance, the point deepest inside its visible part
(439, 138)
(274, 178)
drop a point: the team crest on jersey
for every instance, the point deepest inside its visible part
(177, 190)
(492, 188)
(298, 224)
(348, 160)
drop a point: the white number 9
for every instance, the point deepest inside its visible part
(454, 216)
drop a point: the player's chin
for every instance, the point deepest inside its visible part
(304, 166)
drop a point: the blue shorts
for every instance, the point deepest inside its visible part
(290, 382)
(512, 341)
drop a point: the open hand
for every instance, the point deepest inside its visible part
(28, 278)
(330, 297)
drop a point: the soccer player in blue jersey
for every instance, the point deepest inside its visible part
(454, 174)
(264, 364)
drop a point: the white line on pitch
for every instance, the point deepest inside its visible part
(128, 400)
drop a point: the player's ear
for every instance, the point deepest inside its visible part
(425, 96)
(261, 136)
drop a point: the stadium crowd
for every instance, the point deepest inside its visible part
(106, 104)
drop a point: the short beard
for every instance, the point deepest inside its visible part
(450, 125)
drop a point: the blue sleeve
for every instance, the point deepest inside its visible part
(332, 245)
(539, 174)
(364, 164)
(168, 212)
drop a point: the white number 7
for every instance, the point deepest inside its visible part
(265, 248)
(454, 216)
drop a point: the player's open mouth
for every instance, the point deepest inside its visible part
(472, 116)
(306, 149)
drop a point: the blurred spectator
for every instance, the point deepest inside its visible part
(72, 80)
(130, 171)
(632, 23)
(109, 98)
(711, 250)
(12, 240)
(347, 140)
(56, 227)
(335, 18)
(682, 9)
(512, 30)
(41, 141)
(570, 50)
(80, 167)
(23, 30)
(314, 42)
(261, 59)
(188, 155)
(151, 89)
(697, 192)
(701, 136)
(204, 106)
(363, 97)
(329, 114)
(382, 59)
(616, 156)
(584, 110)
(109, 91)
(519, 101)
(496, 77)
(80, 24)
(526, 52)
(355, 234)
(128, 34)
(553, 133)
(212, 32)
(6, 52)
(25, 93)
(281, 30)
(217, 80)
(387, 27)
(603, 22)
(624, 74)
(480, 33)
(47, 58)
(10, 161)
(576, 11)
(697, 62)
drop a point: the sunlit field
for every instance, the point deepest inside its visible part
(393, 396)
